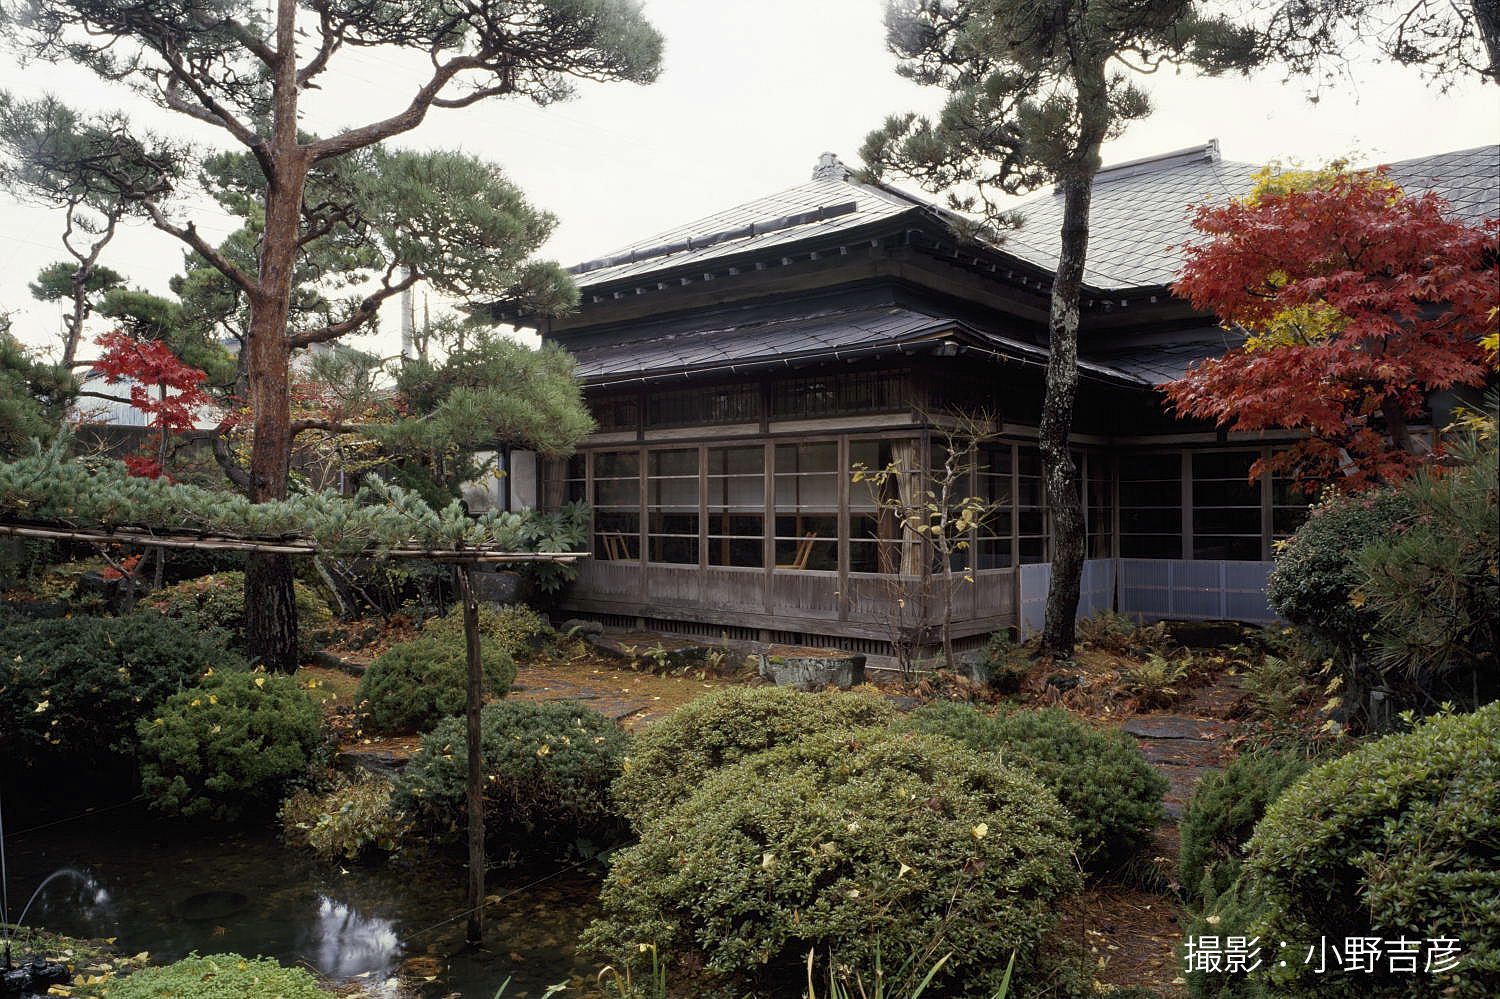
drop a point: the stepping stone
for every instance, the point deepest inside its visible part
(1174, 727)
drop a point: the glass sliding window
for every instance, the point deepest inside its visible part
(807, 506)
(1151, 506)
(737, 506)
(992, 483)
(1290, 507)
(672, 506)
(1031, 507)
(617, 505)
(575, 479)
(713, 404)
(1226, 507)
(878, 542)
(1100, 506)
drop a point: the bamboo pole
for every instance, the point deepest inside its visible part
(475, 900)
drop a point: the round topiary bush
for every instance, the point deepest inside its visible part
(871, 847)
(218, 976)
(1397, 840)
(672, 757)
(414, 685)
(1224, 810)
(218, 601)
(228, 746)
(76, 686)
(548, 766)
(1317, 570)
(1099, 775)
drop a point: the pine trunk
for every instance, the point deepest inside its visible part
(1058, 471)
(270, 606)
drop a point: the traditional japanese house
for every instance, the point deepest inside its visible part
(741, 366)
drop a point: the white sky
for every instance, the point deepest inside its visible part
(750, 93)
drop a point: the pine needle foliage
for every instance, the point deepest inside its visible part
(48, 486)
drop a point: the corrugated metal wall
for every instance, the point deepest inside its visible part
(1097, 591)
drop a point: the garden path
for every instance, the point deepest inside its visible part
(1132, 931)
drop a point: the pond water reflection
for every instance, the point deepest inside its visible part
(171, 889)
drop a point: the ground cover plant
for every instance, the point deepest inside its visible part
(1396, 840)
(228, 746)
(873, 846)
(548, 767)
(720, 728)
(76, 686)
(219, 976)
(1099, 775)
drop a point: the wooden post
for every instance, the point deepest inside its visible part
(475, 898)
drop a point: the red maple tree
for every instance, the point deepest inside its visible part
(1358, 301)
(174, 405)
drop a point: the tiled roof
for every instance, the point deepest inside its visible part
(1468, 179)
(818, 208)
(732, 346)
(1141, 208)
(1163, 361)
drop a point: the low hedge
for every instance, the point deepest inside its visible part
(671, 758)
(76, 686)
(1397, 840)
(228, 746)
(548, 766)
(1099, 775)
(873, 847)
(1219, 820)
(414, 685)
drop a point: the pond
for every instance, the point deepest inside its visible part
(170, 889)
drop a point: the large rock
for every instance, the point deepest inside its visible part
(500, 587)
(788, 666)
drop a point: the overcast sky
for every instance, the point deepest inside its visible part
(751, 91)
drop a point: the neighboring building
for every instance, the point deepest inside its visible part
(739, 367)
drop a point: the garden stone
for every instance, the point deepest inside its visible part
(1064, 682)
(39, 610)
(500, 587)
(975, 666)
(380, 763)
(95, 584)
(582, 627)
(793, 667)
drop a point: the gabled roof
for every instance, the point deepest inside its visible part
(737, 344)
(1142, 207)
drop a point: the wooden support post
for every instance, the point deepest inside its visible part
(475, 898)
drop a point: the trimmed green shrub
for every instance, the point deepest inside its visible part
(414, 685)
(1397, 840)
(1316, 572)
(1225, 808)
(1099, 775)
(349, 822)
(671, 758)
(515, 628)
(228, 746)
(548, 767)
(218, 976)
(218, 601)
(1235, 912)
(77, 685)
(871, 846)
